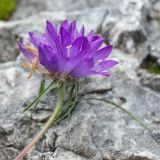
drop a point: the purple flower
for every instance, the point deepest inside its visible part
(67, 52)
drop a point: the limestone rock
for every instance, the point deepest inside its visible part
(125, 25)
(8, 46)
(95, 131)
(59, 154)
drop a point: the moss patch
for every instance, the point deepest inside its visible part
(6, 8)
(151, 65)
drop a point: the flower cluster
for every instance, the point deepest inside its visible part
(66, 52)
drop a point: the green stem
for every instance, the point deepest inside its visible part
(122, 109)
(47, 125)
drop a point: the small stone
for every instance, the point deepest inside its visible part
(41, 116)
(6, 128)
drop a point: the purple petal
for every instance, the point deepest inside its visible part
(51, 33)
(67, 66)
(101, 73)
(90, 36)
(55, 39)
(51, 27)
(81, 32)
(95, 38)
(105, 65)
(65, 25)
(65, 36)
(82, 69)
(34, 38)
(74, 31)
(78, 52)
(96, 44)
(85, 48)
(103, 53)
(76, 46)
(30, 56)
(47, 58)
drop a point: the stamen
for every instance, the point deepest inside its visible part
(35, 65)
(68, 50)
(32, 50)
(25, 65)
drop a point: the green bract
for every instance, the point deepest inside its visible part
(6, 8)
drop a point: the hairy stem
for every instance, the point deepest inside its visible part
(47, 125)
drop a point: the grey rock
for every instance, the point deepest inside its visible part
(48, 143)
(149, 80)
(31, 7)
(154, 35)
(12, 77)
(41, 116)
(8, 153)
(154, 49)
(96, 130)
(125, 25)
(72, 5)
(42, 156)
(62, 154)
(59, 154)
(15, 90)
(36, 23)
(28, 8)
(6, 128)
(154, 21)
(8, 46)
(104, 131)
(104, 128)
(155, 10)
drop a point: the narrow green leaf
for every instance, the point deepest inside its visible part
(70, 104)
(50, 87)
(33, 108)
(122, 109)
(42, 86)
(41, 89)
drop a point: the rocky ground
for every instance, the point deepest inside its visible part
(96, 131)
